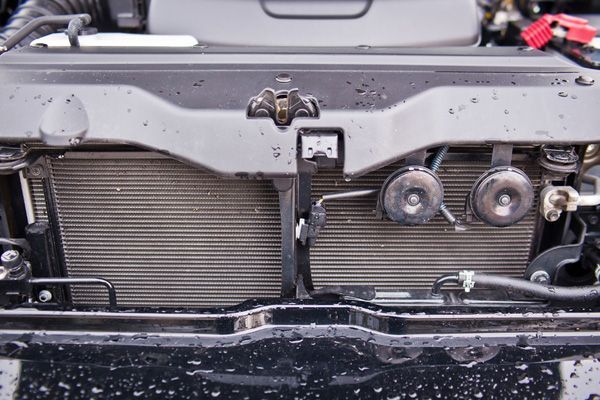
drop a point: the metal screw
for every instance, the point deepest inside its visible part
(540, 277)
(585, 80)
(44, 296)
(9, 256)
(35, 170)
(13, 262)
(283, 77)
(413, 199)
(552, 216)
(504, 200)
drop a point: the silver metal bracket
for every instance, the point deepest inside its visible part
(556, 199)
(319, 145)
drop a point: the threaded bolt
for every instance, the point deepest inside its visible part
(438, 158)
(447, 214)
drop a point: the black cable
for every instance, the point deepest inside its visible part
(441, 281)
(75, 21)
(32, 9)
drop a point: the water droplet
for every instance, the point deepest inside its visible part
(563, 94)
(506, 112)
(451, 110)
(361, 92)
(474, 100)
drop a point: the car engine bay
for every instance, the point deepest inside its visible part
(238, 165)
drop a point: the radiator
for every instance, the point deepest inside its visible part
(164, 233)
(167, 234)
(355, 247)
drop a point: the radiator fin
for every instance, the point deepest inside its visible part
(165, 233)
(356, 248)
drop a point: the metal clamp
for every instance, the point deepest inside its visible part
(466, 277)
(556, 199)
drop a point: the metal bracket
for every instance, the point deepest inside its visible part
(556, 199)
(502, 155)
(319, 145)
(553, 259)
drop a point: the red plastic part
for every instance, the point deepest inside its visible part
(540, 32)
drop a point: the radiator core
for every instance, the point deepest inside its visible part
(167, 234)
(355, 247)
(164, 233)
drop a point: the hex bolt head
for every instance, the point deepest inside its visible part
(45, 296)
(413, 199)
(11, 259)
(584, 80)
(541, 277)
(552, 216)
(504, 200)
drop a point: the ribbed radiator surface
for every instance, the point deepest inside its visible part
(356, 248)
(167, 234)
(164, 233)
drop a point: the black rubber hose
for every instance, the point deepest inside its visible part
(588, 294)
(32, 9)
(537, 290)
(436, 289)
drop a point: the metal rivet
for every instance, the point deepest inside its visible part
(283, 77)
(584, 80)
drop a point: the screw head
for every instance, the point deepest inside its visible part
(413, 199)
(35, 170)
(44, 296)
(9, 255)
(504, 200)
(540, 277)
(552, 215)
(11, 259)
(584, 80)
